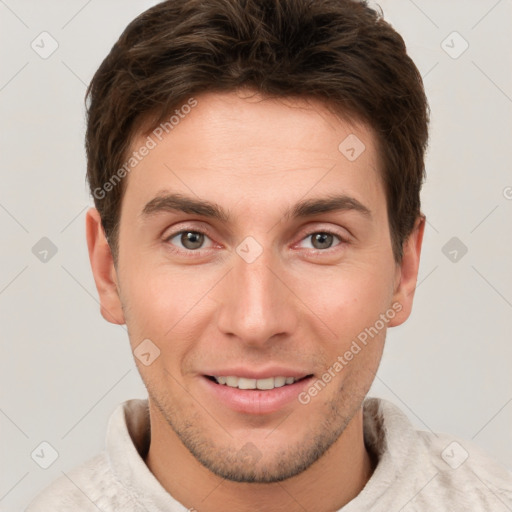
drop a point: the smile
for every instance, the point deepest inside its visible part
(255, 396)
(263, 384)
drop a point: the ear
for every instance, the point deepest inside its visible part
(104, 272)
(407, 273)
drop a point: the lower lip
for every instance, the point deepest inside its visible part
(255, 401)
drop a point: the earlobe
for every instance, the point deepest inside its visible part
(104, 272)
(407, 272)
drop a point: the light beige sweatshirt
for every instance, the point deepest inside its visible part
(417, 471)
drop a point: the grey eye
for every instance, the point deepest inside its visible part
(191, 239)
(322, 240)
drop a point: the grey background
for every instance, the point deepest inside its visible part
(63, 369)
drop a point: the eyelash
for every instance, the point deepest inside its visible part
(199, 252)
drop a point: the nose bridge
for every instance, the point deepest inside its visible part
(256, 304)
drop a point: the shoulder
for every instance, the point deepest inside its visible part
(83, 489)
(466, 472)
(425, 470)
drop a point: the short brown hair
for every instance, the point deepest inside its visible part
(339, 51)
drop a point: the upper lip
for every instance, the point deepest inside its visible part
(251, 373)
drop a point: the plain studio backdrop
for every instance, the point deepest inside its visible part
(63, 369)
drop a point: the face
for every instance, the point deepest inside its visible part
(283, 273)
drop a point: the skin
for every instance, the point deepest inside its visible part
(256, 157)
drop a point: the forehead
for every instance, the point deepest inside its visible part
(242, 144)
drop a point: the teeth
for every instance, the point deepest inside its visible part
(243, 383)
(232, 382)
(279, 381)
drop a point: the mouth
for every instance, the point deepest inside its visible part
(255, 384)
(255, 396)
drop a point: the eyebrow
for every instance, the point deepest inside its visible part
(165, 202)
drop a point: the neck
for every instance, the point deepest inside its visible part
(328, 484)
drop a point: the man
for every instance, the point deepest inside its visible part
(256, 168)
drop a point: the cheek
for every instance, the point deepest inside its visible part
(356, 317)
(154, 306)
(351, 299)
(166, 305)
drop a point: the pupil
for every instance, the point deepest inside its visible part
(322, 238)
(191, 239)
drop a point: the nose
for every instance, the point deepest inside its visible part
(257, 303)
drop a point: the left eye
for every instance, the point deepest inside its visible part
(322, 239)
